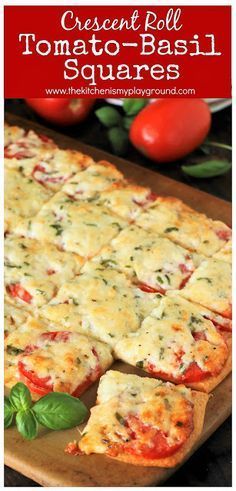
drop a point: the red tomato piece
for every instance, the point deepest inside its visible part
(169, 129)
(224, 234)
(192, 374)
(148, 442)
(199, 335)
(149, 289)
(43, 382)
(16, 290)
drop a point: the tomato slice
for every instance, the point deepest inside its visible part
(149, 289)
(148, 442)
(225, 326)
(192, 374)
(46, 177)
(16, 290)
(39, 382)
(199, 335)
(43, 385)
(224, 234)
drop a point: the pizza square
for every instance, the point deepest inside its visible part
(127, 200)
(34, 271)
(23, 198)
(210, 286)
(155, 263)
(171, 218)
(74, 226)
(142, 421)
(87, 185)
(101, 302)
(52, 360)
(51, 168)
(22, 144)
(177, 343)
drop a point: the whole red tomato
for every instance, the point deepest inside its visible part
(169, 129)
(62, 112)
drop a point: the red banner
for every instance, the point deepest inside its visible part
(118, 51)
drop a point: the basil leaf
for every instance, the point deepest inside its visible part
(118, 139)
(210, 168)
(26, 424)
(59, 411)
(20, 397)
(133, 106)
(108, 116)
(8, 413)
(127, 121)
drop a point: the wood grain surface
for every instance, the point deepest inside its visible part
(43, 459)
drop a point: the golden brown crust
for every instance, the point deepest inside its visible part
(200, 402)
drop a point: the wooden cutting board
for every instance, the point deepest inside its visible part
(43, 459)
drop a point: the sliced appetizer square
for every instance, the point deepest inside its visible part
(22, 144)
(101, 302)
(89, 183)
(225, 253)
(142, 421)
(178, 344)
(155, 263)
(63, 361)
(170, 217)
(34, 271)
(51, 168)
(75, 226)
(210, 286)
(23, 198)
(126, 200)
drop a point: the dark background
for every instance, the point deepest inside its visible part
(210, 466)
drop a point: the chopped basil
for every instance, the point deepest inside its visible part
(161, 353)
(120, 418)
(160, 280)
(206, 279)
(179, 423)
(58, 228)
(78, 360)
(168, 279)
(139, 364)
(12, 350)
(170, 229)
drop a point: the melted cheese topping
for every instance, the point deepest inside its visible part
(68, 363)
(210, 286)
(126, 201)
(23, 198)
(13, 318)
(225, 253)
(101, 303)
(172, 218)
(74, 226)
(163, 406)
(38, 268)
(93, 180)
(147, 258)
(168, 341)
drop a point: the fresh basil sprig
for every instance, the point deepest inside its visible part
(210, 168)
(118, 124)
(56, 411)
